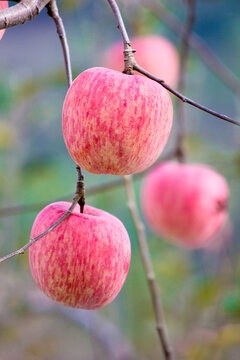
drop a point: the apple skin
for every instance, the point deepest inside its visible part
(115, 123)
(187, 203)
(84, 261)
(3, 5)
(154, 53)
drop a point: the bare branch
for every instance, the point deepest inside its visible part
(147, 263)
(77, 198)
(54, 14)
(121, 25)
(184, 55)
(196, 43)
(129, 60)
(20, 13)
(32, 241)
(91, 190)
(184, 98)
(132, 65)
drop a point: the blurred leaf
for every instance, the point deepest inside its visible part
(229, 336)
(206, 292)
(231, 303)
(7, 135)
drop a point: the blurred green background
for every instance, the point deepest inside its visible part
(200, 289)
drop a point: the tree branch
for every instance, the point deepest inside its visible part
(20, 13)
(146, 259)
(196, 43)
(76, 200)
(149, 271)
(54, 14)
(132, 65)
(129, 60)
(184, 98)
(91, 190)
(184, 55)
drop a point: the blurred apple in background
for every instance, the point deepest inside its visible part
(186, 203)
(154, 53)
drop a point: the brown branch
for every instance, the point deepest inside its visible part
(184, 98)
(132, 65)
(146, 259)
(91, 190)
(129, 60)
(76, 200)
(54, 14)
(32, 241)
(196, 43)
(149, 271)
(20, 13)
(184, 55)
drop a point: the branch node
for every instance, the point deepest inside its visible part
(80, 189)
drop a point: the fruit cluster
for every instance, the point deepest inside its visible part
(118, 124)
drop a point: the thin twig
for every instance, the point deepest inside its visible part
(149, 271)
(76, 200)
(54, 14)
(128, 51)
(132, 65)
(184, 98)
(32, 241)
(91, 190)
(120, 23)
(197, 44)
(184, 55)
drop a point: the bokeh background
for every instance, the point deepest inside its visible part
(200, 289)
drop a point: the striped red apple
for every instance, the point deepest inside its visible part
(84, 261)
(115, 123)
(185, 203)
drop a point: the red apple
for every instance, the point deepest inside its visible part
(115, 123)
(3, 5)
(187, 203)
(154, 53)
(84, 261)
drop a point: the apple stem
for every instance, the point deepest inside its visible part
(80, 189)
(128, 52)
